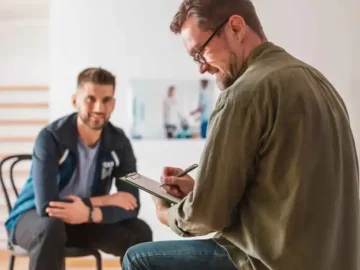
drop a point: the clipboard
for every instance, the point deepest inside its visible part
(150, 186)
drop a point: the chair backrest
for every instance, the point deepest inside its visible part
(12, 160)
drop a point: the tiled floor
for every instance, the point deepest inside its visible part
(72, 264)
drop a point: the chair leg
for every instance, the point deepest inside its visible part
(11, 262)
(98, 261)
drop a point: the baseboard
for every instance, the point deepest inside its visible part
(83, 262)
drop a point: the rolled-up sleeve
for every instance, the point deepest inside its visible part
(225, 168)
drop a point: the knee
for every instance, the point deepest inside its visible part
(52, 230)
(126, 262)
(132, 259)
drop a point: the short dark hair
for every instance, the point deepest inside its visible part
(211, 13)
(204, 81)
(171, 88)
(96, 76)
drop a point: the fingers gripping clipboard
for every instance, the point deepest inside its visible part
(150, 186)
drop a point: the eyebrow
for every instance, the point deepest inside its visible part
(104, 98)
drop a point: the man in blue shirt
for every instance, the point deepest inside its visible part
(205, 106)
(66, 200)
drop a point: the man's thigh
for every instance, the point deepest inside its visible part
(182, 254)
(110, 238)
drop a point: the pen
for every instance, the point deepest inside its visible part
(186, 171)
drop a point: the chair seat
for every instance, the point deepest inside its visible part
(69, 251)
(79, 252)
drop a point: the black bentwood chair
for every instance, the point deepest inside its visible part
(70, 252)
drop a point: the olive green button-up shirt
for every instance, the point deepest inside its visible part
(278, 177)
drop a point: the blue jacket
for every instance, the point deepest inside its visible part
(55, 159)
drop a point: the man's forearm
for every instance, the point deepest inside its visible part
(162, 210)
(100, 201)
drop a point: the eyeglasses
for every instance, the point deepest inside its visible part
(199, 58)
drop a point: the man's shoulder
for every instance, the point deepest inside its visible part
(61, 122)
(58, 131)
(264, 75)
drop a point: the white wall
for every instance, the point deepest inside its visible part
(23, 61)
(24, 52)
(354, 96)
(132, 39)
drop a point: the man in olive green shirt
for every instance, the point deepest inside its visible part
(278, 178)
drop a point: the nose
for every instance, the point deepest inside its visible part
(99, 107)
(203, 68)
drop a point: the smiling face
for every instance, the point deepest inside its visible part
(224, 54)
(94, 104)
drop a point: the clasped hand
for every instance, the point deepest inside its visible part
(73, 212)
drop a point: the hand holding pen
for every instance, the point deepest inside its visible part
(177, 182)
(181, 174)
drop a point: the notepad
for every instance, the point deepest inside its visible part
(150, 186)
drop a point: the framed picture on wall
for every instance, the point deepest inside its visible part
(171, 109)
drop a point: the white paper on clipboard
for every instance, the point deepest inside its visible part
(150, 186)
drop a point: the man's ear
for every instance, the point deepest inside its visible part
(73, 100)
(238, 26)
(113, 104)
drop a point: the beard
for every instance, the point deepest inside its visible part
(94, 124)
(225, 80)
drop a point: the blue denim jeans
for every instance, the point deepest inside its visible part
(182, 254)
(204, 126)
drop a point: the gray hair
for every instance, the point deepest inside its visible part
(211, 13)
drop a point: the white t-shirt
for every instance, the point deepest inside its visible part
(171, 111)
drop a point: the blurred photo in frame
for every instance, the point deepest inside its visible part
(171, 109)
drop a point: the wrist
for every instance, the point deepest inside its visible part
(163, 215)
(98, 201)
(97, 215)
(89, 210)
